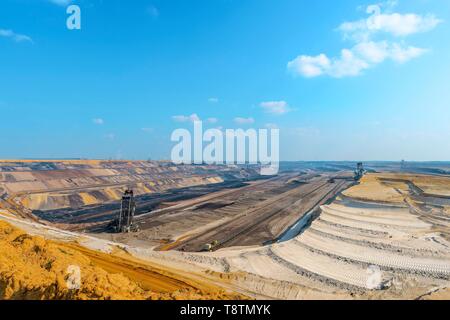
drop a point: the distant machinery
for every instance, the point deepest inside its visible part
(359, 172)
(403, 165)
(124, 222)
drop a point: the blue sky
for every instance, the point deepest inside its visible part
(340, 82)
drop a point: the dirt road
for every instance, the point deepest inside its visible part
(267, 220)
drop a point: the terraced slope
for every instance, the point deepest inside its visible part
(384, 236)
(52, 185)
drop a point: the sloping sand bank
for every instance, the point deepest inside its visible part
(34, 268)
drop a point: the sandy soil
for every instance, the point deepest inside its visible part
(32, 267)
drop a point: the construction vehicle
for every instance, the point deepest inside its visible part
(210, 246)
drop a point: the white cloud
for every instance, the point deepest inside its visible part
(240, 120)
(372, 52)
(61, 2)
(147, 130)
(377, 52)
(396, 24)
(348, 64)
(352, 62)
(98, 121)
(309, 66)
(367, 53)
(192, 118)
(275, 107)
(402, 55)
(213, 100)
(15, 36)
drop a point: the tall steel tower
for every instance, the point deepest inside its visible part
(127, 210)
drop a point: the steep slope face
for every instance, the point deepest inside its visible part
(51, 185)
(34, 268)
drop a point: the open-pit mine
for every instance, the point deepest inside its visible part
(156, 230)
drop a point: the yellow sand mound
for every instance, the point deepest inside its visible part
(35, 268)
(372, 188)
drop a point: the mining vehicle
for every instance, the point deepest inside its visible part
(210, 246)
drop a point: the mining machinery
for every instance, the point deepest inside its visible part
(359, 172)
(124, 222)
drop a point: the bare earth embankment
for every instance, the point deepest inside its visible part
(32, 267)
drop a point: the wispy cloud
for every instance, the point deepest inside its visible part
(353, 61)
(368, 52)
(395, 24)
(240, 120)
(192, 118)
(275, 107)
(98, 121)
(6, 33)
(147, 130)
(213, 100)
